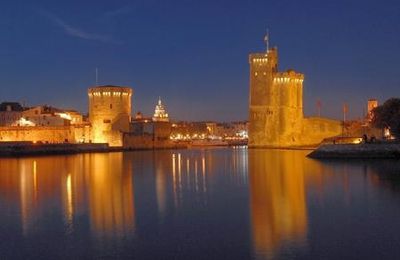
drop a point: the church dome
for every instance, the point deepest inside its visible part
(160, 113)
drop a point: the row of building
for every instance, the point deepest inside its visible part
(109, 121)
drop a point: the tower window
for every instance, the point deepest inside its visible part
(110, 106)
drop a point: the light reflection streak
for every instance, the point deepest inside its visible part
(70, 209)
(180, 177)
(203, 163)
(196, 177)
(35, 187)
(174, 180)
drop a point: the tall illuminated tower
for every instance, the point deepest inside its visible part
(109, 113)
(276, 102)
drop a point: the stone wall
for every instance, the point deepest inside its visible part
(56, 134)
(315, 129)
(83, 133)
(147, 142)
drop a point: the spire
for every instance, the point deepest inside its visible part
(159, 100)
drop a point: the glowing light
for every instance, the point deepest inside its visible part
(64, 115)
(160, 113)
(23, 122)
(70, 209)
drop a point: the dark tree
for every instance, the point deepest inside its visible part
(388, 115)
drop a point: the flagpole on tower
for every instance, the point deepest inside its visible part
(97, 77)
(266, 40)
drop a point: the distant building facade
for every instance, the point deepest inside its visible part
(109, 118)
(276, 107)
(10, 112)
(372, 103)
(43, 116)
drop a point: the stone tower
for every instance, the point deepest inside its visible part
(109, 113)
(276, 106)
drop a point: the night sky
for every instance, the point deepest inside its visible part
(194, 54)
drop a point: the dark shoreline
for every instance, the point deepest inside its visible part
(21, 149)
(24, 149)
(386, 150)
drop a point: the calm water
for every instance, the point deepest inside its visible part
(199, 204)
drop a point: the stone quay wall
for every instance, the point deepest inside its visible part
(44, 134)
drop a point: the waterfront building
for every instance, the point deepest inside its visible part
(109, 113)
(276, 107)
(186, 131)
(43, 116)
(10, 112)
(74, 116)
(43, 124)
(109, 119)
(160, 112)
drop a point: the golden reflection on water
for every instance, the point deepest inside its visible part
(277, 181)
(101, 184)
(110, 188)
(101, 187)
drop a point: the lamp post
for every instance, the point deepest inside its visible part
(345, 110)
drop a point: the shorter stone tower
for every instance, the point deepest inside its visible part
(289, 85)
(109, 113)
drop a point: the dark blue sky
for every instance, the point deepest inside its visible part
(194, 54)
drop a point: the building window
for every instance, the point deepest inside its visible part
(106, 121)
(110, 106)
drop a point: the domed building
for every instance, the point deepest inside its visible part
(160, 113)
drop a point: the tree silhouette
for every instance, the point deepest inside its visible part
(388, 116)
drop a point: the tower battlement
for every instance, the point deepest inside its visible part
(265, 58)
(289, 76)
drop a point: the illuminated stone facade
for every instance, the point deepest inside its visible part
(276, 107)
(44, 134)
(372, 103)
(109, 113)
(160, 113)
